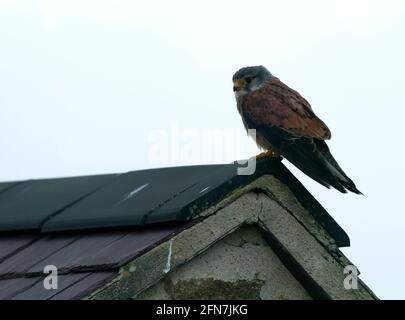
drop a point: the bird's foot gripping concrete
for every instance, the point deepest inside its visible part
(267, 154)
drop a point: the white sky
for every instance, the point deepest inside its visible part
(87, 86)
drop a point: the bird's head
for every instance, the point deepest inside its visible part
(250, 79)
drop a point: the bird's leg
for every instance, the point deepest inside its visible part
(268, 154)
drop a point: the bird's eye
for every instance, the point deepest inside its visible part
(248, 79)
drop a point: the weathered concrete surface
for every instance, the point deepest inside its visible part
(240, 266)
(270, 206)
(313, 250)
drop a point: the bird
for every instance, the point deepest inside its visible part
(287, 127)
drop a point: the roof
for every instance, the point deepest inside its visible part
(91, 226)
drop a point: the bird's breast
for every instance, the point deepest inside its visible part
(259, 139)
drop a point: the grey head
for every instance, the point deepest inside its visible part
(250, 79)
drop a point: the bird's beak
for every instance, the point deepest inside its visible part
(238, 84)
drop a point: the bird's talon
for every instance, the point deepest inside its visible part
(267, 154)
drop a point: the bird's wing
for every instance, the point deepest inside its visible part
(278, 105)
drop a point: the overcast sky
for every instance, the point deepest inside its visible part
(91, 87)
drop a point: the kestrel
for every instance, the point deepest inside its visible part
(286, 125)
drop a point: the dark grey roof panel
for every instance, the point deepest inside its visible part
(209, 190)
(85, 286)
(78, 252)
(11, 287)
(38, 291)
(7, 185)
(19, 263)
(30, 203)
(70, 286)
(84, 261)
(9, 244)
(69, 256)
(106, 250)
(130, 199)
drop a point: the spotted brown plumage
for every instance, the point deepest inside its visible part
(286, 124)
(278, 105)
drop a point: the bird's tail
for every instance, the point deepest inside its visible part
(341, 176)
(315, 160)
